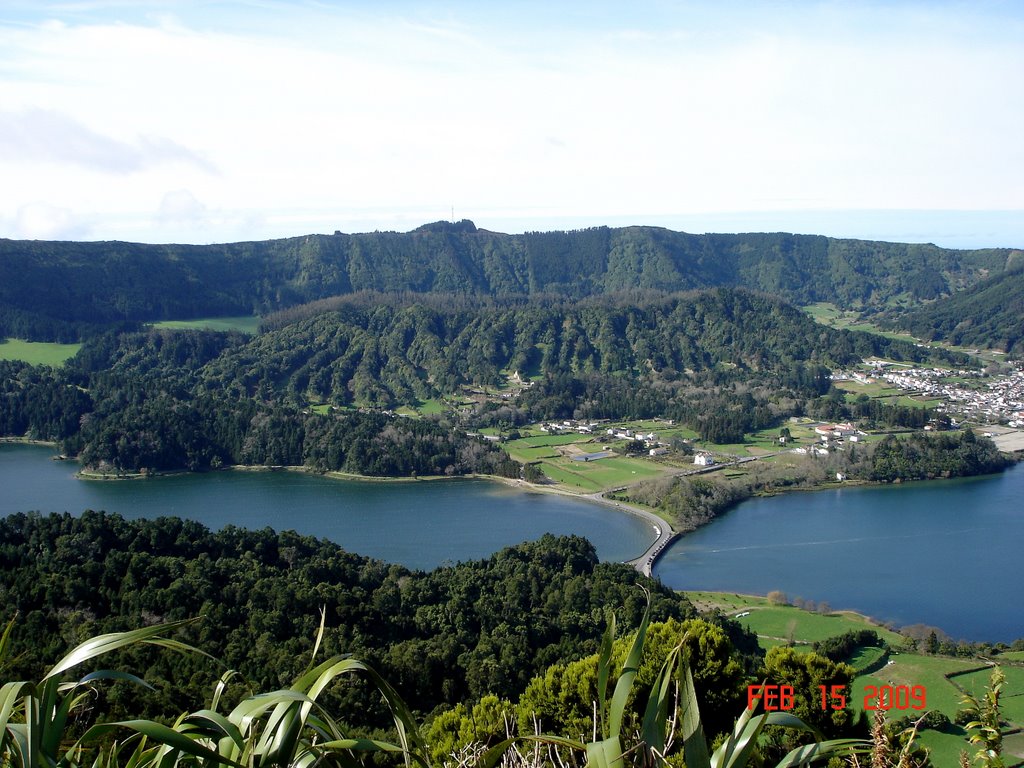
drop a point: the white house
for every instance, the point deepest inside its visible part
(703, 459)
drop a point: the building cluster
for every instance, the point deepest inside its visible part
(569, 425)
(994, 399)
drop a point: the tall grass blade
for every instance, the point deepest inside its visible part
(624, 684)
(654, 730)
(604, 663)
(695, 747)
(97, 646)
(169, 737)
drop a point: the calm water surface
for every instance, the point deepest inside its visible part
(946, 553)
(420, 525)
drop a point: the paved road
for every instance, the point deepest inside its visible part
(664, 533)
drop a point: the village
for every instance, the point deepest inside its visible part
(968, 395)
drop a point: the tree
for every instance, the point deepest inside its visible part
(806, 674)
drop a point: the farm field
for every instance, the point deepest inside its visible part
(423, 408)
(779, 621)
(244, 324)
(917, 669)
(588, 476)
(788, 622)
(1012, 700)
(943, 695)
(771, 622)
(38, 352)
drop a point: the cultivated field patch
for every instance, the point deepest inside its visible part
(38, 352)
(243, 323)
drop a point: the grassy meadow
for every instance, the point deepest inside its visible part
(38, 352)
(244, 324)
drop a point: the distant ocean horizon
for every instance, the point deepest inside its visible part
(945, 228)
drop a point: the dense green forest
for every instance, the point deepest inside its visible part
(63, 290)
(452, 634)
(989, 314)
(723, 361)
(385, 350)
(515, 635)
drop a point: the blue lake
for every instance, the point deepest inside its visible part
(418, 524)
(944, 553)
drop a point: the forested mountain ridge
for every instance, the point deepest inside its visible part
(386, 351)
(56, 289)
(988, 314)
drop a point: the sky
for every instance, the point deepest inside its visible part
(200, 122)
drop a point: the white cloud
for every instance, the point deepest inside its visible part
(43, 136)
(181, 207)
(313, 111)
(41, 221)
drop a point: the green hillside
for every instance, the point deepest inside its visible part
(56, 290)
(989, 314)
(374, 349)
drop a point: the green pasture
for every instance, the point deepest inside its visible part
(588, 476)
(539, 446)
(1011, 656)
(826, 313)
(866, 657)
(429, 407)
(727, 602)
(600, 474)
(1012, 699)
(779, 621)
(917, 669)
(539, 440)
(326, 408)
(1014, 745)
(565, 476)
(533, 454)
(788, 622)
(916, 402)
(875, 389)
(38, 352)
(930, 671)
(945, 748)
(872, 328)
(244, 324)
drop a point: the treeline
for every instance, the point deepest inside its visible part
(724, 362)
(475, 647)
(456, 633)
(693, 501)
(52, 289)
(137, 402)
(924, 457)
(989, 314)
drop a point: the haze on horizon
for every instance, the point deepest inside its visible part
(200, 122)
